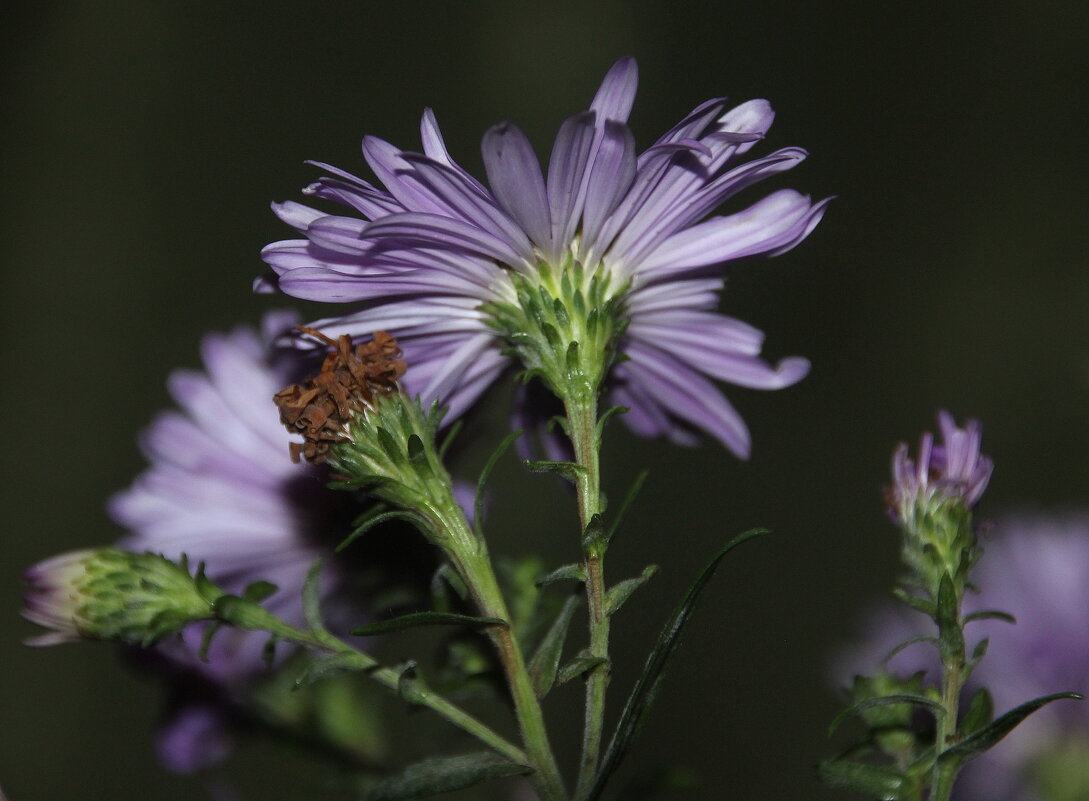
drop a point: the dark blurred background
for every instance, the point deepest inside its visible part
(142, 143)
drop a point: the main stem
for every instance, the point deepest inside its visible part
(582, 428)
(952, 683)
(475, 568)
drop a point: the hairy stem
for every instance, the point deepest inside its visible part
(582, 424)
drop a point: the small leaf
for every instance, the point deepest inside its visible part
(620, 592)
(326, 666)
(206, 638)
(417, 619)
(594, 540)
(950, 633)
(478, 499)
(977, 656)
(646, 688)
(907, 643)
(915, 602)
(886, 700)
(258, 591)
(568, 470)
(579, 666)
(606, 416)
(311, 599)
(416, 451)
(444, 775)
(974, 745)
(874, 781)
(409, 684)
(572, 572)
(546, 661)
(991, 614)
(445, 579)
(979, 713)
(371, 522)
(633, 491)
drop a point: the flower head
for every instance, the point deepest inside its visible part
(109, 594)
(607, 254)
(953, 470)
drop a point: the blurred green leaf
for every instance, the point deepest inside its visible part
(874, 781)
(417, 619)
(621, 591)
(481, 483)
(979, 713)
(572, 572)
(444, 775)
(546, 661)
(885, 700)
(582, 664)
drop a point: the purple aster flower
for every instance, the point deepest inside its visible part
(222, 489)
(607, 248)
(954, 469)
(1038, 570)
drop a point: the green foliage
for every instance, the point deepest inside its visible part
(417, 619)
(444, 775)
(646, 688)
(545, 664)
(620, 592)
(873, 781)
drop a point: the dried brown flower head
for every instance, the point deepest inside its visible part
(351, 377)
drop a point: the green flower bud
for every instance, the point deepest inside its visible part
(110, 594)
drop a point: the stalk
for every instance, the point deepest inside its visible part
(582, 422)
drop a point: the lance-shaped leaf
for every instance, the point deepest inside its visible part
(633, 491)
(373, 521)
(444, 775)
(311, 600)
(990, 614)
(580, 665)
(872, 781)
(646, 688)
(546, 661)
(886, 700)
(568, 470)
(621, 591)
(947, 616)
(417, 619)
(478, 499)
(328, 666)
(972, 746)
(572, 572)
(980, 712)
(258, 591)
(914, 601)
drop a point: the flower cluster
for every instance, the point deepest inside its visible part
(606, 256)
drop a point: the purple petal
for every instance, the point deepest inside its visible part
(436, 230)
(616, 95)
(515, 177)
(566, 170)
(435, 148)
(609, 179)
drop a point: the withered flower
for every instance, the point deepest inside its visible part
(322, 407)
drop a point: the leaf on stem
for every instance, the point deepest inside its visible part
(568, 470)
(646, 688)
(327, 666)
(311, 600)
(633, 491)
(990, 614)
(886, 700)
(478, 499)
(980, 712)
(582, 664)
(371, 522)
(545, 663)
(874, 781)
(572, 572)
(621, 591)
(444, 775)
(417, 619)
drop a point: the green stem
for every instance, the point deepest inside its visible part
(582, 424)
(953, 672)
(473, 564)
(257, 617)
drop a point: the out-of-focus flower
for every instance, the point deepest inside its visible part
(607, 255)
(222, 489)
(1038, 570)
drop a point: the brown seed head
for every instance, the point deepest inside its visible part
(351, 377)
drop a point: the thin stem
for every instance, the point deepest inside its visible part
(323, 641)
(582, 424)
(953, 674)
(475, 568)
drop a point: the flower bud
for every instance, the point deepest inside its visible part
(110, 594)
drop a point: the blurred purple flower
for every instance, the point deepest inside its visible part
(954, 469)
(222, 489)
(428, 252)
(1038, 570)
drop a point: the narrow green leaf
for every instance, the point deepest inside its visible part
(390, 446)
(326, 666)
(417, 619)
(572, 572)
(633, 491)
(593, 538)
(886, 700)
(568, 470)
(409, 684)
(258, 591)
(873, 781)
(444, 775)
(546, 661)
(416, 452)
(579, 666)
(621, 591)
(478, 499)
(608, 415)
(206, 639)
(915, 602)
(906, 643)
(990, 614)
(977, 656)
(371, 522)
(646, 688)
(950, 633)
(448, 440)
(311, 599)
(974, 745)
(443, 580)
(979, 713)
